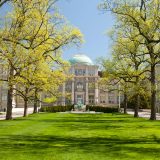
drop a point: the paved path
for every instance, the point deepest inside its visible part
(145, 113)
(17, 112)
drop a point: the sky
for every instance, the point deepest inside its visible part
(94, 25)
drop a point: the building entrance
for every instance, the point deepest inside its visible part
(80, 99)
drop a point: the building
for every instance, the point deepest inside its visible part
(83, 87)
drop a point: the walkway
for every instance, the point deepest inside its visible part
(17, 112)
(145, 113)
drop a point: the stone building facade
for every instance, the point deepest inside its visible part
(83, 87)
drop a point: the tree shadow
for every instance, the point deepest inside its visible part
(108, 146)
(111, 146)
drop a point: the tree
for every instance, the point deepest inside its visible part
(143, 17)
(127, 46)
(126, 68)
(2, 2)
(33, 34)
(115, 74)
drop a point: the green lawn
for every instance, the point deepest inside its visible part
(79, 137)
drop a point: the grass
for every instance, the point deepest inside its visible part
(55, 136)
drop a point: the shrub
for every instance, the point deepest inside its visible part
(102, 109)
(56, 108)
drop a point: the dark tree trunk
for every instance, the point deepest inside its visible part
(25, 108)
(136, 110)
(9, 103)
(35, 102)
(35, 106)
(10, 96)
(25, 103)
(153, 94)
(125, 103)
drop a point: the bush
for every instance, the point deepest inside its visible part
(102, 109)
(56, 108)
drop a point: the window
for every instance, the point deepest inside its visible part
(91, 72)
(80, 72)
(111, 99)
(91, 99)
(68, 87)
(102, 99)
(80, 99)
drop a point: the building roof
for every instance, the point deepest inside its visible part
(81, 59)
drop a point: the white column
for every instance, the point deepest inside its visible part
(63, 94)
(73, 97)
(86, 91)
(72, 91)
(107, 100)
(96, 93)
(87, 71)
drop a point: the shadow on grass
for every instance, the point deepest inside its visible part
(87, 118)
(111, 146)
(89, 122)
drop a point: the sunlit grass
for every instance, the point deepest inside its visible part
(79, 137)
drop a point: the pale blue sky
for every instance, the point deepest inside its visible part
(92, 23)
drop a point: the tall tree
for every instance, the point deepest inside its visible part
(142, 16)
(116, 72)
(33, 32)
(128, 47)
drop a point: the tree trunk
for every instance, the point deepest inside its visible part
(153, 94)
(35, 102)
(10, 96)
(136, 110)
(25, 103)
(125, 103)
(25, 108)
(35, 106)
(9, 103)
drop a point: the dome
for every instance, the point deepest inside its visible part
(81, 59)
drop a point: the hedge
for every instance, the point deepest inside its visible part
(56, 108)
(102, 109)
(70, 107)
